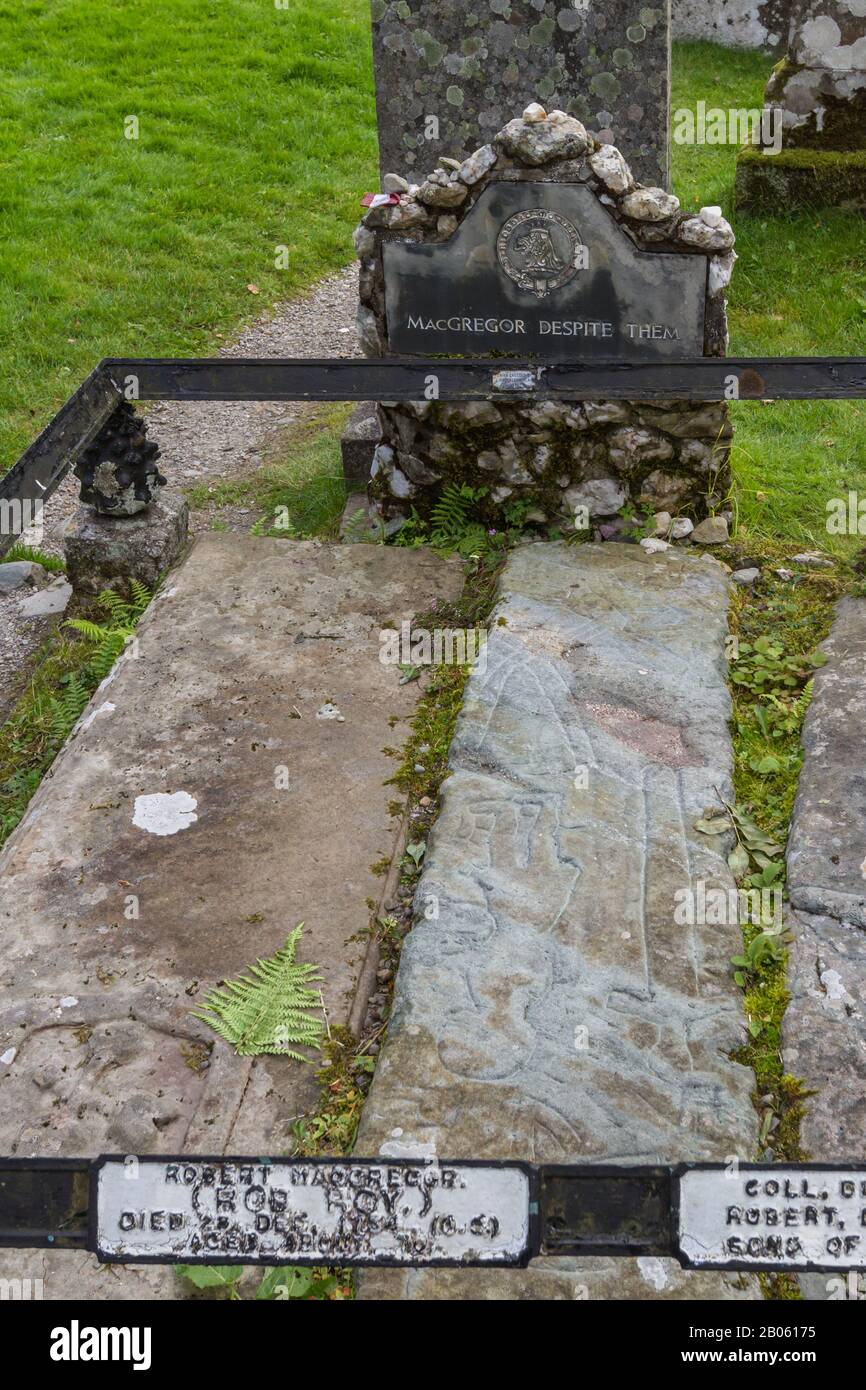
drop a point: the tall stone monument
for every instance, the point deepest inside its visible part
(452, 72)
(820, 90)
(760, 24)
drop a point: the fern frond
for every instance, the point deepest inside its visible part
(473, 540)
(448, 516)
(92, 631)
(65, 709)
(141, 596)
(804, 700)
(107, 653)
(263, 1010)
(116, 607)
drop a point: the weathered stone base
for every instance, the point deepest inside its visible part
(800, 178)
(548, 1005)
(559, 459)
(107, 552)
(358, 444)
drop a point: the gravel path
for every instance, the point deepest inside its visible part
(203, 443)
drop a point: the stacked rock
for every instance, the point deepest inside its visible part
(607, 457)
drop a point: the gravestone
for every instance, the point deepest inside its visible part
(542, 246)
(758, 24)
(819, 89)
(536, 268)
(448, 71)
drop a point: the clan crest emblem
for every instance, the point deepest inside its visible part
(540, 250)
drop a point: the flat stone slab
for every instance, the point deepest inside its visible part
(169, 803)
(824, 1044)
(824, 1030)
(825, 1034)
(554, 1010)
(827, 844)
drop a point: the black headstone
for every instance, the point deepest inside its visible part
(542, 270)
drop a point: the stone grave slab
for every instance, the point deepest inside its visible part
(166, 799)
(549, 1006)
(827, 844)
(448, 71)
(542, 270)
(824, 1029)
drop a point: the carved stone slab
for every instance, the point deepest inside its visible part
(542, 269)
(549, 1006)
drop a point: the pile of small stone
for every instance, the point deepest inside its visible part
(426, 211)
(668, 530)
(591, 458)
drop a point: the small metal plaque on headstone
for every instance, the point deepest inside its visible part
(542, 270)
(772, 1217)
(514, 380)
(389, 1212)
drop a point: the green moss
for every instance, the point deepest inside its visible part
(780, 1287)
(811, 158)
(66, 673)
(800, 179)
(798, 615)
(767, 725)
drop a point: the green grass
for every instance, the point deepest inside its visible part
(256, 130)
(66, 673)
(52, 563)
(299, 493)
(767, 726)
(799, 288)
(303, 491)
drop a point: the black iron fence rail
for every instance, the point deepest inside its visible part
(110, 1206)
(402, 379)
(50, 457)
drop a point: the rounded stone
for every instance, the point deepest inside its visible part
(713, 531)
(653, 546)
(600, 496)
(650, 205)
(609, 165)
(695, 232)
(443, 195)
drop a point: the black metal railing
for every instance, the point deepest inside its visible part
(76, 425)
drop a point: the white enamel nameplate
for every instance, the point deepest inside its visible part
(772, 1216)
(321, 1211)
